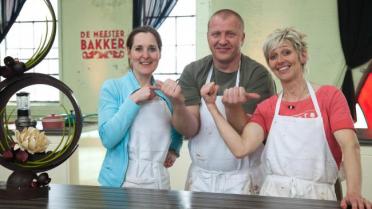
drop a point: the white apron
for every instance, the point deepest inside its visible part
(214, 168)
(297, 158)
(150, 138)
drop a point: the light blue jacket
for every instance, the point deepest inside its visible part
(116, 113)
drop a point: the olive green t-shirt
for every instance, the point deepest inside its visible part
(253, 76)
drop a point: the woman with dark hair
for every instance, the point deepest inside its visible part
(135, 120)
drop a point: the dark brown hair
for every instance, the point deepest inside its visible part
(143, 29)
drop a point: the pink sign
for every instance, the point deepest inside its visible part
(102, 44)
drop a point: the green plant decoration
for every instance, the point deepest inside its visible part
(25, 153)
(45, 46)
(45, 158)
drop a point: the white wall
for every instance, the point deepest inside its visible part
(85, 76)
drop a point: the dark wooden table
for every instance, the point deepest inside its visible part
(73, 196)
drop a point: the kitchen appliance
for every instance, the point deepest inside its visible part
(23, 112)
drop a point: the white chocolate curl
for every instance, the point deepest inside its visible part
(31, 140)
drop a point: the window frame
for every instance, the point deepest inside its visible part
(176, 70)
(43, 107)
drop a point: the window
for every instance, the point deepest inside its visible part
(178, 37)
(24, 38)
(364, 101)
(361, 120)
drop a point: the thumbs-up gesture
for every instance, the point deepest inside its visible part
(237, 96)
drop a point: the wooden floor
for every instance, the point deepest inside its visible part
(70, 197)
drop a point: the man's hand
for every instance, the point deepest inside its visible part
(185, 119)
(237, 96)
(233, 100)
(172, 90)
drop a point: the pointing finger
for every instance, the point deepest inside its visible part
(159, 83)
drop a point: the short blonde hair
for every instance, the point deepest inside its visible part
(226, 13)
(295, 37)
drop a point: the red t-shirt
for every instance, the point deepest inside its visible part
(333, 106)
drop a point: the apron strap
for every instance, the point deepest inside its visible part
(312, 96)
(209, 77)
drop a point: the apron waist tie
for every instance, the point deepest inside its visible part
(139, 161)
(218, 181)
(145, 168)
(293, 188)
(219, 172)
(298, 187)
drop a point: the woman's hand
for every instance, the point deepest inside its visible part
(355, 201)
(349, 144)
(209, 92)
(170, 159)
(146, 93)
